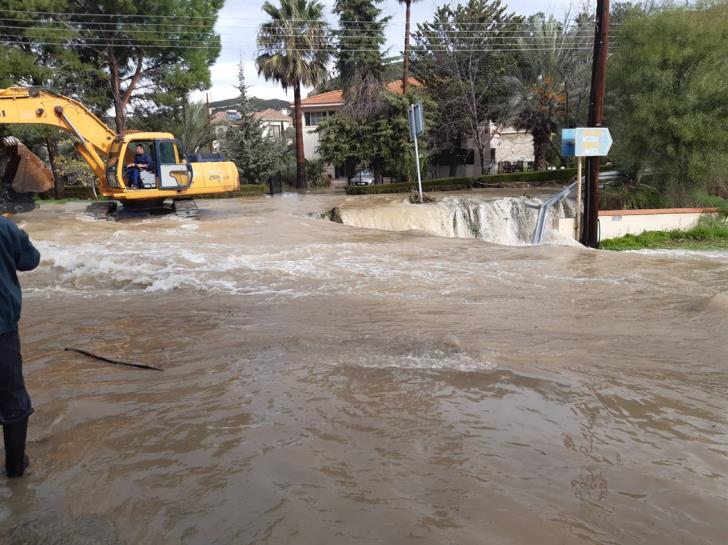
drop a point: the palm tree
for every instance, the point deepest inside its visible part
(408, 16)
(552, 88)
(194, 129)
(293, 51)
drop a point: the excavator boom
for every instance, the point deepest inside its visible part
(24, 106)
(166, 174)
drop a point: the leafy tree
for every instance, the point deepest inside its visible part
(294, 52)
(256, 155)
(468, 70)
(145, 50)
(670, 114)
(381, 143)
(407, 22)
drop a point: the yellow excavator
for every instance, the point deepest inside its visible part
(170, 182)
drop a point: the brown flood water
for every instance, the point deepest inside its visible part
(330, 384)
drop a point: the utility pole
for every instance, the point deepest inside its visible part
(590, 232)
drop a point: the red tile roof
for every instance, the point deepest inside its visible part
(271, 115)
(336, 98)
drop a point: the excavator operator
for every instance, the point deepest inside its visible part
(142, 162)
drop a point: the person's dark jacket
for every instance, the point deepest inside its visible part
(143, 159)
(17, 253)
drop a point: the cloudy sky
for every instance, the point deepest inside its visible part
(239, 20)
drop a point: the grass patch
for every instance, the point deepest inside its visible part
(709, 234)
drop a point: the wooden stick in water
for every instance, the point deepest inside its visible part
(115, 362)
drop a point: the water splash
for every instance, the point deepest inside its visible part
(509, 221)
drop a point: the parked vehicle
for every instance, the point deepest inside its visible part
(363, 177)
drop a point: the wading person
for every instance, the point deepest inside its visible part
(141, 162)
(16, 254)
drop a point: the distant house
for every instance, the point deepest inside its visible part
(510, 150)
(275, 123)
(507, 144)
(316, 108)
(220, 122)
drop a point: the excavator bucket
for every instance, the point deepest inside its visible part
(25, 175)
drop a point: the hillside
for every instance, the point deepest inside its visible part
(256, 104)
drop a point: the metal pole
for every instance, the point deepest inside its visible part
(590, 235)
(577, 215)
(419, 175)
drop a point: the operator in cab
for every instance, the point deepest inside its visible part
(17, 253)
(142, 162)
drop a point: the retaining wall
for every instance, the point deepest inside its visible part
(617, 223)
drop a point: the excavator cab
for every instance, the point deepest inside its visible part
(168, 169)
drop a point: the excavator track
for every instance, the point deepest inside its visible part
(17, 207)
(102, 210)
(186, 208)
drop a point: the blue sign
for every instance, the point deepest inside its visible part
(416, 120)
(586, 142)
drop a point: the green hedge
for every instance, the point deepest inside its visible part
(452, 184)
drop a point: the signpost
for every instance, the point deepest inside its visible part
(584, 142)
(417, 127)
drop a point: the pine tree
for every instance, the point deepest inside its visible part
(359, 54)
(243, 101)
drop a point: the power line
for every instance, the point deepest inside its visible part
(183, 29)
(574, 47)
(179, 20)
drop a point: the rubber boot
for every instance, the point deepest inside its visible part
(15, 459)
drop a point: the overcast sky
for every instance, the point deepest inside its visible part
(239, 19)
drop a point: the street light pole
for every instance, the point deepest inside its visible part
(590, 232)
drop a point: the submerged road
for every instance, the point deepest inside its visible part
(325, 383)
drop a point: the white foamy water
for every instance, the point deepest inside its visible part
(509, 221)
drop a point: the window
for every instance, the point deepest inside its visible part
(313, 119)
(167, 155)
(275, 131)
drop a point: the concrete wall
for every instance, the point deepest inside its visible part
(617, 223)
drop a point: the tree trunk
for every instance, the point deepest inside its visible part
(540, 145)
(378, 169)
(453, 165)
(405, 75)
(59, 191)
(300, 157)
(484, 160)
(116, 92)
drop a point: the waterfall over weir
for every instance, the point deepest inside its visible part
(509, 220)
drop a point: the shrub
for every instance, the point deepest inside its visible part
(316, 174)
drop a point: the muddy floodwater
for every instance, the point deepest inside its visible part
(331, 384)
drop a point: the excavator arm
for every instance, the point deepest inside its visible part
(92, 137)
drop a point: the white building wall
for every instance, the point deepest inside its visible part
(310, 143)
(510, 145)
(617, 223)
(514, 146)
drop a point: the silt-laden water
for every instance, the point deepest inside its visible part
(326, 383)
